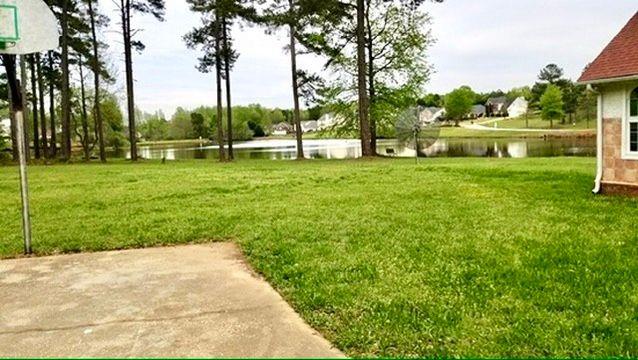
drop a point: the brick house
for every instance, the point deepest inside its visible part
(614, 76)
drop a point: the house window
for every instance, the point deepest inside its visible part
(633, 121)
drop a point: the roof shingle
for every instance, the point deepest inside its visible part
(619, 58)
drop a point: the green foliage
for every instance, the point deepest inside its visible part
(277, 116)
(551, 103)
(154, 128)
(343, 107)
(537, 91)
(315, 112)
(398, 71)
(4, 92)
(113, 122)
(248, 121)
(4, 143)
(587, 105)
(550, 74)
(200, 126)
(495, 258)
(458, 103)
(181, 126)
(431, 100)
(572, 94)
(483, 97)
(393, 101)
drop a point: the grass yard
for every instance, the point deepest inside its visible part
(535, 122)
(460, 132)
(454, 257)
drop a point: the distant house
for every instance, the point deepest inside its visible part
(327, 121)
(614, 76)
(309, 126)
(518, 107)
(431, 114)
(477, 111)
(496, 106)
(282, 128)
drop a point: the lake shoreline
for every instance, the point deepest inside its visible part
(446, 133)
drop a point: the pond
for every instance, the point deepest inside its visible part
(351, 148)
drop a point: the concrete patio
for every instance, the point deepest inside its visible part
(186, 301)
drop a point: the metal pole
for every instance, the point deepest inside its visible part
(16, 104)
(24, 184)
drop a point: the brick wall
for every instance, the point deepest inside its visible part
(615, 169)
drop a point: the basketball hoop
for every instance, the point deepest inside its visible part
(9, 31)
(27, 26)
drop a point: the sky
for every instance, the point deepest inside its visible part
(487, 45)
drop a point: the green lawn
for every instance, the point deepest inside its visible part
(454, 257)
(460, 132)
(535, 122)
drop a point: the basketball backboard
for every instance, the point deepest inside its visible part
(27, 26)
(9, 31)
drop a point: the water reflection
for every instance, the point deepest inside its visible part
(347, 149)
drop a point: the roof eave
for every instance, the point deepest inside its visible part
(608, 80)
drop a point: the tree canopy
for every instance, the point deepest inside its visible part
(458, 103)
(551, 103)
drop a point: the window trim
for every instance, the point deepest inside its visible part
(626, 153)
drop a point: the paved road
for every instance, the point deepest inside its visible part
(187, 301)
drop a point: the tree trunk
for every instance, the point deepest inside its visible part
(372, 90)
(34, 107)
(54, 135)
(295, 87)
(43, 119)
(25, 104)
(65, 91)
(85, 119)
(229, 107)
(15, 102)
(97, 108)
(14, 126)
(128, 61)
(218, 75)
(364, 123)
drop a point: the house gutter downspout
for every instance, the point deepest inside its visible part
(599, 142)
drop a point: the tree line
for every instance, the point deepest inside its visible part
(375, 48)
(201, 123)
(61, 78)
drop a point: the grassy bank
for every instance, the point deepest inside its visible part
(460, 132)
(448, 132)
(192, 142)
(468, 257)
(535, 122)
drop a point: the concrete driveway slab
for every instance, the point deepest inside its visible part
(186, 301)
